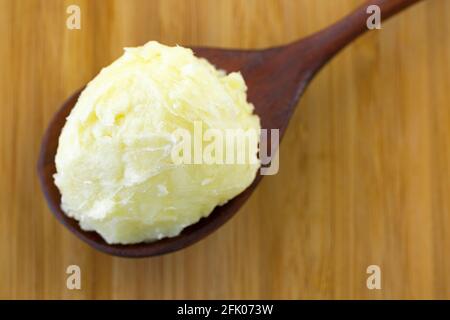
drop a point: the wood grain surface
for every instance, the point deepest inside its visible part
(365, 164)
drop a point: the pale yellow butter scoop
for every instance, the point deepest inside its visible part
(115, 167)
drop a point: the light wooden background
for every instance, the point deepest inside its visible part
(365, 164)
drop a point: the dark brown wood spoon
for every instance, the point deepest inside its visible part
(276, 79)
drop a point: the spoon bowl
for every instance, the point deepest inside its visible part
(276, 78)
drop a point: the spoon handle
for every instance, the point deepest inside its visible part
(323, 45)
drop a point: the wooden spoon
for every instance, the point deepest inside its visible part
(276, 79)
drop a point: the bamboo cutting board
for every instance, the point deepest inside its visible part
(364, 167)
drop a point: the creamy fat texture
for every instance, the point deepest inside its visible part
(114, 166)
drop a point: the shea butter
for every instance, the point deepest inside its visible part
(115, 165)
